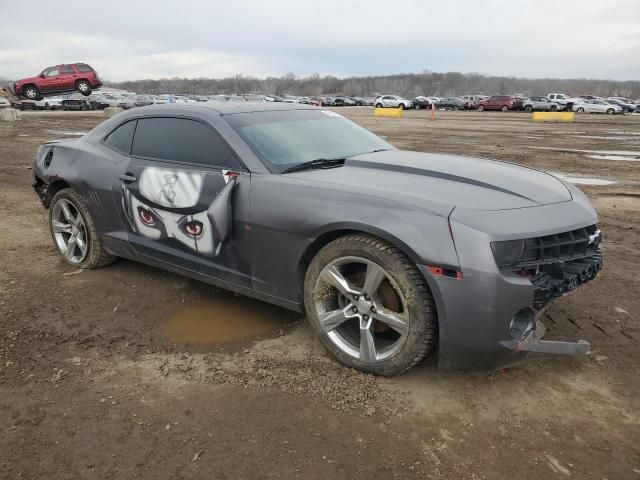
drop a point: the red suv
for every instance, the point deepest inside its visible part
(497, 102)
(61, 78)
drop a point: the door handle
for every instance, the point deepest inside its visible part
(127, 177)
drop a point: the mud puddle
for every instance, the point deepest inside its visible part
(227, 319)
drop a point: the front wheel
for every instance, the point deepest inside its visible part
(32, 92)
(74, 231)
(481, 108)
(528, 109)
(580, 110)
(379, 105)
(504, 108)
(370, 305)
(610, 111)
(554, 108)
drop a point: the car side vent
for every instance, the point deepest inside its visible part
(48, 157)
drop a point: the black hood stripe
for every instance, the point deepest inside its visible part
(430, 173)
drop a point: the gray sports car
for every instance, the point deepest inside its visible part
(394, 255)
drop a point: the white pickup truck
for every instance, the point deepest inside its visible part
(564, 100)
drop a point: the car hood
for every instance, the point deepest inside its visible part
(28, 80)
(440, 182)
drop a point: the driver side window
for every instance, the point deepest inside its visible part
(51, 72)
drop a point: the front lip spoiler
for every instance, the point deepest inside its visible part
(533, 343)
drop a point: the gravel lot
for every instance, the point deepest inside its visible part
(129, 371)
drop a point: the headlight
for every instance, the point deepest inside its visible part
(508, 252)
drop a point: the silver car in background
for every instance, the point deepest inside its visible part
(393, 101)
(541, 104)
(597, 106)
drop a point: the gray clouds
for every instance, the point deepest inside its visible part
(133, 40)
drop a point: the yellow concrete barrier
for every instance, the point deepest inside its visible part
(388, 112)
(553, 116)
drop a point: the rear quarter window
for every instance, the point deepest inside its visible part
(83, 67)
(182, 140)
(122, 137)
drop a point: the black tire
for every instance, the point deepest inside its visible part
(580, 110)
(504, 108)
(379, 105)
(84, 87)
(481, 108)
(528, 109)
(417, 107)
(610, 111)
(31, 92)
(96, 256)
(554, 108)
(421, 338)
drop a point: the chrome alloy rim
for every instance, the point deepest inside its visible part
(69, 231)
(83, 87)
(361, 309)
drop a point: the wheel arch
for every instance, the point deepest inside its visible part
(333, 232)
(56, 184)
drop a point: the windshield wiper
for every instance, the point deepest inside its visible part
(316, 164)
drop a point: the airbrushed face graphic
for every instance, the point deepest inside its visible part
(182, 218)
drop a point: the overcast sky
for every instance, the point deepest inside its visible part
(216, 38)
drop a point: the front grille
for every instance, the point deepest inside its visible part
(576, 244)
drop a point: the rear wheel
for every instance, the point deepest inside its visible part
(554, 108)
(378, 105)
(580, 110)
(84, 88)
(370, 305)
(481, 108)
(74, 232)
(528, 109)
(504, 108)
(610, 111)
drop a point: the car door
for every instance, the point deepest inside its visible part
(184, 198)
(50, 80)
(67, 78)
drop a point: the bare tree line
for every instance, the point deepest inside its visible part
(407, 84)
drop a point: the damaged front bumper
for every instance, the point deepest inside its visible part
(490, 317)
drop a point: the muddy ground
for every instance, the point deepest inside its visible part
(132, 372)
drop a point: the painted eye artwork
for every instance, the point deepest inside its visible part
(193, 228)
(146, 216)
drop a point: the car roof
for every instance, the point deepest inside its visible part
(224, 108)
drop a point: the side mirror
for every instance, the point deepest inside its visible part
(42, 75)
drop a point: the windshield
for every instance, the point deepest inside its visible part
(282, 139)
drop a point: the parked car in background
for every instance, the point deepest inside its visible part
(597, 106)
(359, 101)
(78, 77)
(99, 101)
(341, 101)
(589, 97)
(627, 105)
(24, 105)
(132, 101)
(451, 103)
(49, 103)
(497, 102)
(564, 100)
(76, 103)
(471, 101)
(393, 101)
(165, 98)
(421, 102)
(273, 98)
(540, 104)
